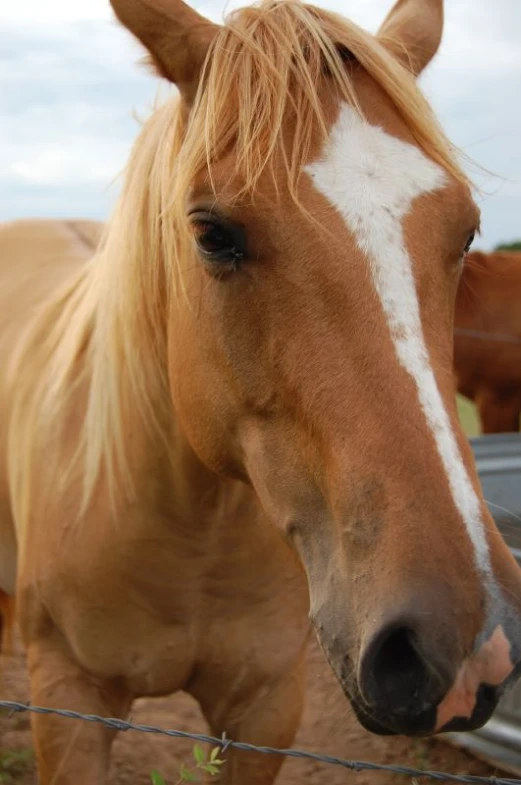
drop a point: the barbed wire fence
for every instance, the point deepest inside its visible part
(14, 707)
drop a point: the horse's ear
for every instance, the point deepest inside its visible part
(412, 32)
(176, 36)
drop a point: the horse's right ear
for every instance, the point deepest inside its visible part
(176, 36)
(412, 32)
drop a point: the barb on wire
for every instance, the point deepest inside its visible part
(224, 743)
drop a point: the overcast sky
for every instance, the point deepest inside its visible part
(70, 86)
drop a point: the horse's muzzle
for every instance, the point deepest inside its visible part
(403, 686)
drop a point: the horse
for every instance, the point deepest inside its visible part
(487, 338)
(233, 422)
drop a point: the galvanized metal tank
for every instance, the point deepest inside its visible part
(498, 460)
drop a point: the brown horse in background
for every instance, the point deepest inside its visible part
(487, 338)
(240, 407)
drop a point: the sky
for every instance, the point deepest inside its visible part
(72, 92)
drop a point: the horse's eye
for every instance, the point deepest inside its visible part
(211, 238)
(217, 242)
(469, 242)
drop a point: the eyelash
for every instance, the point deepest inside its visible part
(469, 243)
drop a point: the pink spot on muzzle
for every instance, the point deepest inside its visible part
(490, 665)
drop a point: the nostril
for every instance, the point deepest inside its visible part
(399, 671)
(393, 674)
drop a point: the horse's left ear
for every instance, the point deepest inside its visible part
(176, 36)
(412, 32)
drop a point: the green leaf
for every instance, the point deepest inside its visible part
(156, 778)
(198, 754)
(187, 775)
(211, 769)
(214, 754)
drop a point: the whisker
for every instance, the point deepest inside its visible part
(503, 509)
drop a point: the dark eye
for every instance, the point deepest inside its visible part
(469, 242)
(218, 241)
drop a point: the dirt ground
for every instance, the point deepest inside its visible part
(328, 727)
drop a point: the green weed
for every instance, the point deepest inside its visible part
(209, 765)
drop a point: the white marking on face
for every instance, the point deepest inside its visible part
(372, 179)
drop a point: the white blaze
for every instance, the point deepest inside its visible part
(372, 179)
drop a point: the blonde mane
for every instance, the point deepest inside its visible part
(105, 332)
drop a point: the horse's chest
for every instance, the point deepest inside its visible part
(127, 611)
(150, 610)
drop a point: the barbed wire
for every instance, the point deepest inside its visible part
(224, 744)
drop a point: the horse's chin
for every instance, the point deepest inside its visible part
(423, 724)
(369, 722)
(420, 725)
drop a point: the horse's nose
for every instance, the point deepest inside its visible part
(399, 673)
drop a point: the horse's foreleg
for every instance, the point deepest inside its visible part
(270, 718)
(70, 752)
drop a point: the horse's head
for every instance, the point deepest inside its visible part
(320, 220)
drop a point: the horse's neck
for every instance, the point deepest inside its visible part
(170, 484)
(200, 494)
(206, 523)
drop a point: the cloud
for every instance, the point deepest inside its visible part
(53, 11)
(70, 83)
(66, 113)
